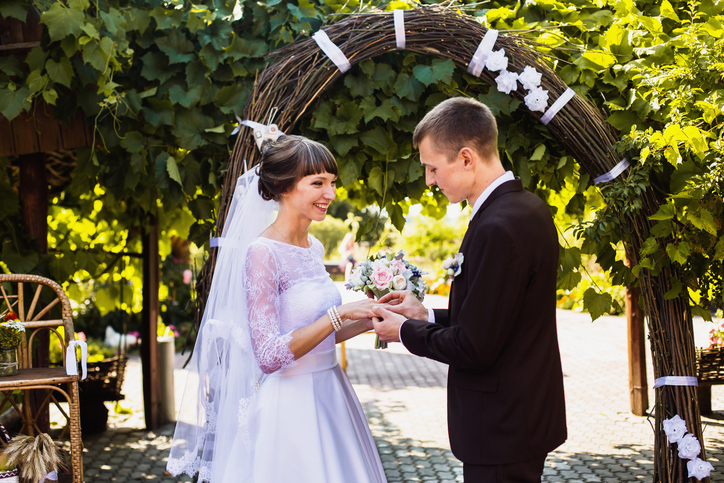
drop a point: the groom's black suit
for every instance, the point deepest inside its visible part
(505, 385)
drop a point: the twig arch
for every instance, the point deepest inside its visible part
(299, 73)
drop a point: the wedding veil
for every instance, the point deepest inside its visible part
(223, 373)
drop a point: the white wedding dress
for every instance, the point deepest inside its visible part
(307, 424)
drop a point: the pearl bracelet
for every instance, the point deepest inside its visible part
(335, 318)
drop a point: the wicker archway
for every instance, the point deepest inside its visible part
(299, 73)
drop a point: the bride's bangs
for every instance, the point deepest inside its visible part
(317, 159)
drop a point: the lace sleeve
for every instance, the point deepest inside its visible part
(271, 348)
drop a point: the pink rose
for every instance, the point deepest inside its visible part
(382, 277)
(398, 267)
(187, 276)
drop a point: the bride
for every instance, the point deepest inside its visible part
(265, 400)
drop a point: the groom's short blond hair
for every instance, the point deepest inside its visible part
(459, 122)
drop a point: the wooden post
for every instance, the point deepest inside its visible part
(149, 323)
(34, 206)
(636, 353)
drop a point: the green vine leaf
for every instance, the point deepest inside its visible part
(62, 21)
(678, 253)
(703, 220)
(177, 47)
(700, 312)
(666, 212)
(375, 179)
(14, 8)
(13, 102)
(60, 72)
(172, 169)
(440, 71)
(377, 139)
(596, 304)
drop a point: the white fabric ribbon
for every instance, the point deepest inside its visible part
(53, 475)
(262, 132)
(223, 242)
(557, 106)
(676, 381)
(332, 51)
(71, 364)
(237, 128)
(486, 45)
(400, 28)
(615, 171)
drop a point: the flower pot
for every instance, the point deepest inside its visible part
(8, 362)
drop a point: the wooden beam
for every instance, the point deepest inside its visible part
(19, 46)
(638, 386)
(34, 206)
(149, 323)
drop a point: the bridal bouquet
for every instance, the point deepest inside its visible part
(383, 273)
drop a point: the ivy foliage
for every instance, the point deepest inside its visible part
(656, 68)
(161, 82)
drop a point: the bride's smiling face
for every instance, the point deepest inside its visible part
(312, 195)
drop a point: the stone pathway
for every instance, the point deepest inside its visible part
(404, 399)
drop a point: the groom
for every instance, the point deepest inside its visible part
(506, 409)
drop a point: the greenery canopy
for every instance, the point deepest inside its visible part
(161, 82)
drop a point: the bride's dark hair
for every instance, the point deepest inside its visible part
(287, 160)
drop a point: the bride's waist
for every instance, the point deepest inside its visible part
(318, 362)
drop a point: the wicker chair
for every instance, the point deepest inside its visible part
(15, 291)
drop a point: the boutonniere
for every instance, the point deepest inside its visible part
(453, 265)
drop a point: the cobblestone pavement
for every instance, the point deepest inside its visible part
(404, 399)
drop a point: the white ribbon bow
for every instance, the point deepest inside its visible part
(263, 132)
(71, 364)
(53, 476)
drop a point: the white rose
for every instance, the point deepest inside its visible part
(699, 469)
(530, 78)
(450, 271)
(497, 61)
(689, 447)
(507, 81)
(446, 264)
(537, 99)
(675, 429)
(399, 282)
(356, 280)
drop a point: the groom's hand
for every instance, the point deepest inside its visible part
(387, 324)
(404, 303)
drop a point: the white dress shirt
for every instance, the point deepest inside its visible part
(507, 176)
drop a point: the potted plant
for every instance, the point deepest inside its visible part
(11, 334)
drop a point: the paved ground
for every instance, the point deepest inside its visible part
(404, 399)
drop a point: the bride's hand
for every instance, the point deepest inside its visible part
(357, 310)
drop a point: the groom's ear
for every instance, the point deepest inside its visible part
(468, 157)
